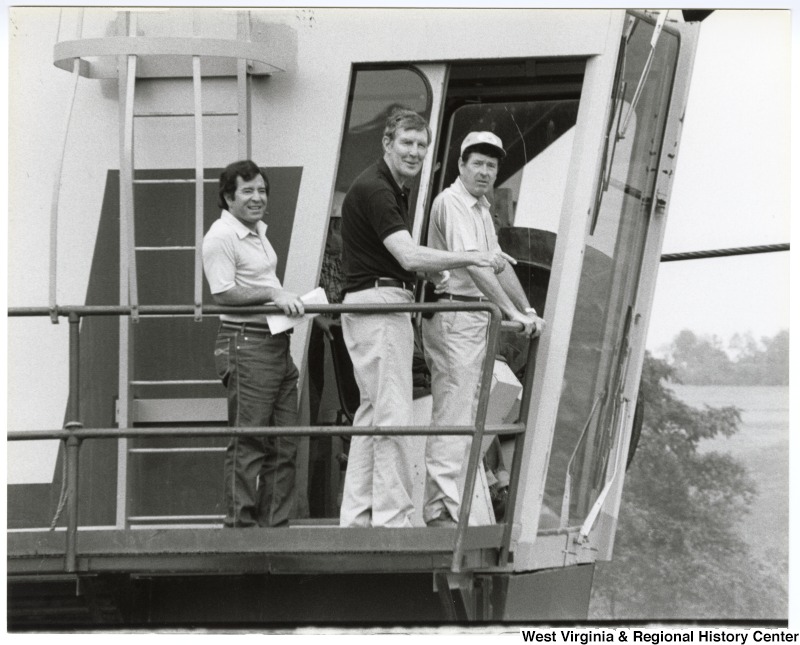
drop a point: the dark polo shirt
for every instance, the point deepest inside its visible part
(374, 208)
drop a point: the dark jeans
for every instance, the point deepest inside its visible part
(261, 379)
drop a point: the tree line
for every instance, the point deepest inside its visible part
(703, 360)
(678, 554)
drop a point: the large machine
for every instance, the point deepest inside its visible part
(117, 422)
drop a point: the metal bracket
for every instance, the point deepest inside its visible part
(661, 199)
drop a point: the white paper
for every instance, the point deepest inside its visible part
(279, 322)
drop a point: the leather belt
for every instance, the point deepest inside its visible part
(248, 328)
(387, 282)
(452, 296)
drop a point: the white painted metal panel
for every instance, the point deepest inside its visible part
(562, 295)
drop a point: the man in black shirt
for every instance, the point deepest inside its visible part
(380, 259)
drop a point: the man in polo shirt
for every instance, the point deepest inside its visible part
(254, 365)
(380, 259)
(455, 342)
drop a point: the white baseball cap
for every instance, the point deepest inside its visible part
(488, 138)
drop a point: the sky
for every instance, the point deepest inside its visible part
(732, 184)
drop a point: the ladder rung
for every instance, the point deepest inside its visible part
(206, 180)
(182, 114)
(154, 518)
(178, 382)
(42, 529)
(186, 449)
(147, 526)
(144, 317)
(165, 248)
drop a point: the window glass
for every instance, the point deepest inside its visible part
(537, 138)
(529, 190)
(591, 407)
(373, 96)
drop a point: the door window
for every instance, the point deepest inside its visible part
(591, 406)
(374, 94)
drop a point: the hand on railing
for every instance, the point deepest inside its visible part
(529, 325)
(290, 303)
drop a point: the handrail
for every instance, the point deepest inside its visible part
(266, 57)
(199, 165)
(128, 289)
(477, 441)
(254, 431)
(516, 460)
(214, 310)
(56, 194)
(54, 203)
(74, 433)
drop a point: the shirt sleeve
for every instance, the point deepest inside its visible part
(384, 214)
(219, 264)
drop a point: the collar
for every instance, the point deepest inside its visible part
(242, 231)
(468, 198)
(383, 169)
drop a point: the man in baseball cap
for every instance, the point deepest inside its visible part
(455, 342)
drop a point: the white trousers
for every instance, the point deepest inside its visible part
(455, 346)
(378, 483)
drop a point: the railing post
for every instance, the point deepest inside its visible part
(73, 446)
(477, 439)
(74, 403)
(516, 460)
(73, 443)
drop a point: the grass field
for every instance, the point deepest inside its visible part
(762, 445)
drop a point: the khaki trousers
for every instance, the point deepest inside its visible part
(378, 483)
(455, 346)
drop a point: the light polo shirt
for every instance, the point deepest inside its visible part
(461, 222)
(234, 255)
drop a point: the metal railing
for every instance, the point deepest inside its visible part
(73, 433)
